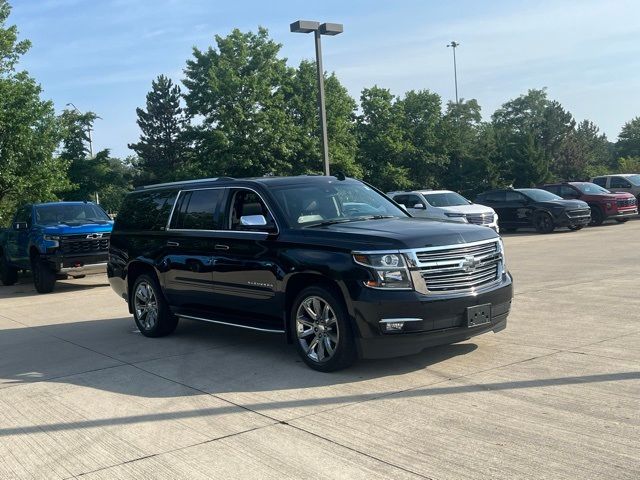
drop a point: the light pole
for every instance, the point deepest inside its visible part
(453, 45)
(88, 129)
(306, 26)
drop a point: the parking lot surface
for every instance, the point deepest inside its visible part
(556, 395)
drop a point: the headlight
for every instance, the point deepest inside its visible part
(455, 215)
(504, 257)
(51, 238)
(389, 270)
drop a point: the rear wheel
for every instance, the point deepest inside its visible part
(323, 334)
(44, 278)
(150, 310)
(597, 217)
(543, 223)
(8, 273)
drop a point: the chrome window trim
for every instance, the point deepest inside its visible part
(169, 229)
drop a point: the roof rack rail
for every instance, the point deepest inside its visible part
(182, 182)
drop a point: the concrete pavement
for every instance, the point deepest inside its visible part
(556, 395)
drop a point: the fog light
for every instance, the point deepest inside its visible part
(394, 326)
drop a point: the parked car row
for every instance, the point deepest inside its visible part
(337, 267)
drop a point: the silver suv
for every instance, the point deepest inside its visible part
(623, 182)
(445, 205)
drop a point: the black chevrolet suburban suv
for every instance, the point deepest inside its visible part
(332, 263)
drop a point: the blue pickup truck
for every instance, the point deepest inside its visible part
(55, 241)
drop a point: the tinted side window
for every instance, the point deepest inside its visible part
(401, 199)
(412, 200)
(619, 182)
(602, 181)
(24, 215)
(493, 197)
(553, 189)
(145, 211)
(567, 192)
(246, 203)
(514, 197)
(198, 210)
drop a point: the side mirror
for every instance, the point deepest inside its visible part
(253, 221)
(419, 206)
(20, 226)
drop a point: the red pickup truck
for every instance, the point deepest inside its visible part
(604, 204)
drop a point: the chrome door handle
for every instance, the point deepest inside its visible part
(221, 247)
(172, 244)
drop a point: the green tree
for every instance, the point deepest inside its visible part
(29, 131)
(529, 132)
(628, 144)
(236, 89)
(470, 147)
(301, 92)
(162, 148)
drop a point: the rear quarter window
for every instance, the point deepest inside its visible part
(145, 211)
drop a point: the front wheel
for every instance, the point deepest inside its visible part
(150, 310)
(8, 273)
(322, 329)
(543, 223)
(44, 278)
(597, 217)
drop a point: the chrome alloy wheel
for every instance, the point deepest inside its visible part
(317, 329)
(146, 305)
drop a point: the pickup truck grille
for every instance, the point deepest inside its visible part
(86, 243)
(582, 212)
(628, 202)
(463, 268)
(480, 219)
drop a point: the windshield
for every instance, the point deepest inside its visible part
(538, 195)
(445, 199)
(590, 188)
(635, 179)
(70, 214)
(333, 201)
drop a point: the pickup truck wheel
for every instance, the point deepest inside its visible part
(597, 217)
(44, 279)
(150, 310)
(323, 334)
(543, 223)
(8, 274)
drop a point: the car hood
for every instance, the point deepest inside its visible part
(568, 204)
(74, 229)
(397, 233)
(473, 209)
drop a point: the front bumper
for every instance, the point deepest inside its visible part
(436, 319)
(79, 264)
(624, 213)
(567, 221)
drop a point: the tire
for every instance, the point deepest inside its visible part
(543, 222)
(322, 330)
(575, 228)
(44, 279)
(597, 217)
(622, 220)
(8, 274)
(150, 309)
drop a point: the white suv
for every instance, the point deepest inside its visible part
(445, 205)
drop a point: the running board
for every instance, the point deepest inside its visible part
(248, 327)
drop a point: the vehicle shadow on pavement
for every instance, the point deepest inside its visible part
(25, 287)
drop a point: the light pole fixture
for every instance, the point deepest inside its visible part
(318, 29)
(454, 45)
(88, 129)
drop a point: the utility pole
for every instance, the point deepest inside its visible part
(70, 104)
(454, 45)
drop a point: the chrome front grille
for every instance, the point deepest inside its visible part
(460, 269)
(480, 219)
(582, 212)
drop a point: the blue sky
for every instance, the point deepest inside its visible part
(103, 54)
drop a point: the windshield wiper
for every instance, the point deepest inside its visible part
(354, 219)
